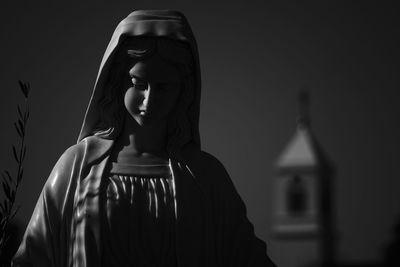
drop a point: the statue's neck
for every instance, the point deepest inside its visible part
(141, 143)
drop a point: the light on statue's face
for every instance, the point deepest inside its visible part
(153, 91)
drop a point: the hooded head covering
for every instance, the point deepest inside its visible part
(168, 25)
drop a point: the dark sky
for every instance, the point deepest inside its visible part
(254, 58)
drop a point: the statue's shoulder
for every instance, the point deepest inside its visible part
(87, 150)
(206, 165)
(210, 160)
(77, 157)
(77, 151)
(72, 152)
(61, 176)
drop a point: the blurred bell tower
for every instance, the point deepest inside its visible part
(303, 198)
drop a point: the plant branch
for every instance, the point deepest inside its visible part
(10, 185)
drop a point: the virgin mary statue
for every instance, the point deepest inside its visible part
(136, 190)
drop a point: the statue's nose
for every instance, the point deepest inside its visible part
(147, 94)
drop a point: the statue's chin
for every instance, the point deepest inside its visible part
(145, 120)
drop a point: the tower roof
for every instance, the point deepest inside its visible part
(303, 150)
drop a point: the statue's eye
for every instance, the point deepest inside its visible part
(139, 85)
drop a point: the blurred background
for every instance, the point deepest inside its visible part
(254, 59)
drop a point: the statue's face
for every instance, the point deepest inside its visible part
(153, 90)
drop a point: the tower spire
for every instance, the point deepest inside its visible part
(303, 119)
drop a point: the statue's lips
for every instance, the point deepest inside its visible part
(145, 113)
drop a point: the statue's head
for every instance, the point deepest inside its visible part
(150, 73)
(150, 81)
(154, 81)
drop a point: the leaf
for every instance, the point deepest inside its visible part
(5, 177)
(15, 153)
(26, 115)
(24, 88)
(20, 175)
(14, 212)
(8, 175)
(3, 220)
(8, 206)
(21, 127)
(21, 84)
(19, 112)
(8, 236)
(18, 130)
(1, 243)
(23, 154)
(5, 206)
(6, 188)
